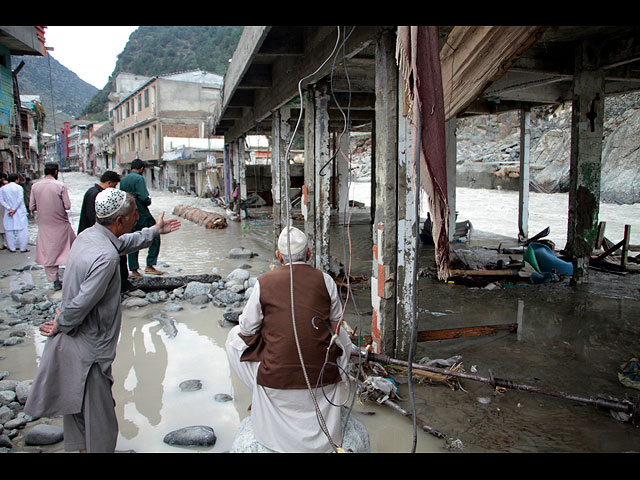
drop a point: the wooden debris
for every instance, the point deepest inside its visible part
(445, 334)
(209, 220)
(493, 273)
(606, 260)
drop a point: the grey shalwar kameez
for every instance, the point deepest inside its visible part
(89, 325)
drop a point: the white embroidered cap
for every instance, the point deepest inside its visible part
(109, 201)
(297, 241)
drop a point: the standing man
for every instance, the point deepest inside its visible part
(3, 237)
(263, 351)
(74, 377)
(15, 219)
(108, 179)
(133, 183)
(50, 198)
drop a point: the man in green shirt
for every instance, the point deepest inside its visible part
(134, 184)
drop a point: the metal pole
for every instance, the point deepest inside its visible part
(626, 406)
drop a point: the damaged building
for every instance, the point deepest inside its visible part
(407, 87)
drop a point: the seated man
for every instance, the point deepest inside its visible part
(263, 351)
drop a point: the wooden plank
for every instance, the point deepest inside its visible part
(625, 246)
(483, 273)
(449, 333)
(600, 237)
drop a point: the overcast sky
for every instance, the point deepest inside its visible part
(89, 52)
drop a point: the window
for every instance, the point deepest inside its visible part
(139, 102)
(126, 109)
(146, 98)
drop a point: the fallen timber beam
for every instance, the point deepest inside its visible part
(629, 407)
(448, 333)
(171, 283)
(484, 273)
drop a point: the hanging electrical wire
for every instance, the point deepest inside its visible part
(323, 425)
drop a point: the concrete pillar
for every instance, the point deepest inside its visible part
(383, 275)
(408, 195)
(242, 173)
(586, 157)
(279, 140)
(228, 173)
(308, 203)
(343, 164)
(525, 158)
(322, 178)
(451, 145)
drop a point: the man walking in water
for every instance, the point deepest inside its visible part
(134, 184)
(50, 199)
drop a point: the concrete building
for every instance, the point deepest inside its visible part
(480, 70)
(102, 150)
(169, 106)
(79, 147)
(14, 40)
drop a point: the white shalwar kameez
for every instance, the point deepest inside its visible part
(286, 420)
(16, 225)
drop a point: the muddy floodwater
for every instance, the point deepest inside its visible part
(568, 339)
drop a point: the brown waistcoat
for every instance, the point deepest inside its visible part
(275, 347)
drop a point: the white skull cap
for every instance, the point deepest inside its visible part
(109, 201)
(298, 241)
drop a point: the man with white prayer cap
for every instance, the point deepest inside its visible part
(74, 377)
(263, 352)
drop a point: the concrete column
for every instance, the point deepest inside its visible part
(228, 172)
(242, 176)
(343, 164)
(408, 194)
(525, 158)
(308, 203)
(586, 157)
(383, 275)
(322, 178)
(279, 140)
(451, 145)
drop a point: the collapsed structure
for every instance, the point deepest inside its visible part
(408, 86)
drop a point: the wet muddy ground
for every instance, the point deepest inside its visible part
(571, 339)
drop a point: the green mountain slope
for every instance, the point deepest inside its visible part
(70, 92)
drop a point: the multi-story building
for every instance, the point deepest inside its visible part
(102, 153)
(169, 106)
(19, 40)
(79, 147)
(31, 125)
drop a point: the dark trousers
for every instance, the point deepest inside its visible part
(152, 256)
(152, 253)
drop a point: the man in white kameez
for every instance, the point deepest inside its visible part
(15, 219)
(262, 351)
(74, 377)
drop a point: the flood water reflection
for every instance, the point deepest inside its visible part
(561, 338)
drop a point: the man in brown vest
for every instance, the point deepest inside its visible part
(283, 365)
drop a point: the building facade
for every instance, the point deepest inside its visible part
(15, 40)
(170, 106)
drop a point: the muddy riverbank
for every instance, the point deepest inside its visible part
(570, 339)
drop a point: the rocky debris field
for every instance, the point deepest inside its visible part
(28, 306)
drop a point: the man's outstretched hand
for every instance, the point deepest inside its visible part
(167, 226)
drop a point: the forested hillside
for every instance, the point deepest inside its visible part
(158, 50)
